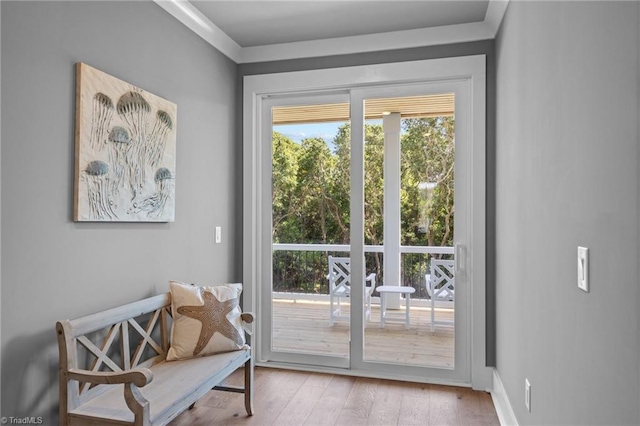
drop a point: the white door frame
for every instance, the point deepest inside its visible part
(471, 69)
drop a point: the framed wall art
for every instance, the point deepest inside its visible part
(125, 151)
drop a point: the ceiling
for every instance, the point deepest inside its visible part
(259, 23)
(259, 31)
(408, 107)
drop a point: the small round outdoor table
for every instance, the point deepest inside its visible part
(386, 289)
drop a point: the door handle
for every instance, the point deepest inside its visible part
(460, 257)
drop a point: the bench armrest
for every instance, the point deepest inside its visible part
(132, 380)
(247, 318)
(138, 376)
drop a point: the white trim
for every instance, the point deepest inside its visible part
(191, 17)
(186, 13)
(495, 14)
(501, 402)
(443, 69)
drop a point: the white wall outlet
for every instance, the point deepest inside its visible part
(218, 234)
(583, 269)
(527, 394)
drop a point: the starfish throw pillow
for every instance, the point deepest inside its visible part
(206, 320)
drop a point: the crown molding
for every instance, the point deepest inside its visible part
(495, 14)
(186, 13)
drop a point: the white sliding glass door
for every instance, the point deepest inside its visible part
(364, 219)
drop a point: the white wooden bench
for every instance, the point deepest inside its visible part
(124, 379)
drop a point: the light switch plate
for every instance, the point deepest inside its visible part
(218, 234)
(583, 269)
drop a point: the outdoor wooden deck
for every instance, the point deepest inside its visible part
(303, 326)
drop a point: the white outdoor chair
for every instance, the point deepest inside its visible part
(440, 284)
(340, 287)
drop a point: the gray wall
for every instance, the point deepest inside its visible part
(53, 268)
(563, 172)
(567, 175)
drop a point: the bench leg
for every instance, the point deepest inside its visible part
(248, 386)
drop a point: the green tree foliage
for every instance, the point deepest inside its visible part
(286, 211)
(341, 183)
(374, 183)
(311, 185)
(313, 192)
(427, 183)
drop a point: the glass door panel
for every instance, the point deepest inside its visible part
(410, 227)
(308, 305)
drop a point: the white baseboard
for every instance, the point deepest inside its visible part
(501, 402)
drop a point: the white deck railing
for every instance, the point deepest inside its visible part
(315, 274)
(346, 248)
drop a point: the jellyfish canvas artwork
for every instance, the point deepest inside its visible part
(125, 151)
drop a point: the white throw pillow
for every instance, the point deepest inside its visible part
(206, 320)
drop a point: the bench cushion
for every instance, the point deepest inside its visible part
(175, 386)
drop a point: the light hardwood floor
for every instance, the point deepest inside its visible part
(296, 398)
